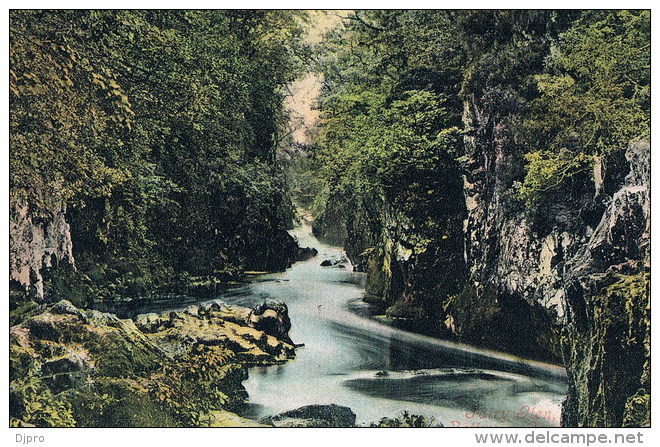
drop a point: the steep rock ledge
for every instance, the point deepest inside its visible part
(607, 295)
(73, 367)
(410, 248)
(37, 243)
(573, 282)
(514, 297)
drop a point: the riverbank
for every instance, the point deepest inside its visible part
(188, 366)
(73, 367)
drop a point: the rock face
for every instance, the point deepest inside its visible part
(412, 250)
(607, 292)
(580, 263)
(37, 243)
(73, 367)
(313, 416)
(565, 280)
(515, 259)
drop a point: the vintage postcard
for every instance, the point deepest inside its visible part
(330, 218)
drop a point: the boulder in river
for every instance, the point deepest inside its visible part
(313, 416)
(271, 318)
(305, 253)
(334, 262)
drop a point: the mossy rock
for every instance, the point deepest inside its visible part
(638, 410)
(406, 310)
(74, 367)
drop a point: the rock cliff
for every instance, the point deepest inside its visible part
(37, 242)
(570, 276)
(607, 298)
(565, 281)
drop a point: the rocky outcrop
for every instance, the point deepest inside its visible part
(305, 253)
(318, 416)
(515, 259)
(578, 261)
(410, 246)
(313, 416)
(255, 341)
(607, 291)
(271, 318)
(37, 242)
(74, 367)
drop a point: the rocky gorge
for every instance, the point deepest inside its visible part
(568, 285)
(480, 179)
(525, 226)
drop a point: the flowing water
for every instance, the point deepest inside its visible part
(380, 371)
(377, 370)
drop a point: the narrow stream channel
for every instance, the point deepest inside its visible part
(377, 370)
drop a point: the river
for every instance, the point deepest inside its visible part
(350, 358)
(377, 370)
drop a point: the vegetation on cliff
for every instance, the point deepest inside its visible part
(572, 87)
(470, 156)
(156, 132)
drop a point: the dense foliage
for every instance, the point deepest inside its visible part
(594, 97)
(561, 90)
(578, 84)
(157, 131)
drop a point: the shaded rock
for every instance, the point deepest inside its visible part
(215, 306)
(305, 253)
(64, 373)
(313, 416)
(193, 310)
(148, 322)
(330, 226)
(607, 294)
(272, 318)
(72, 363)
